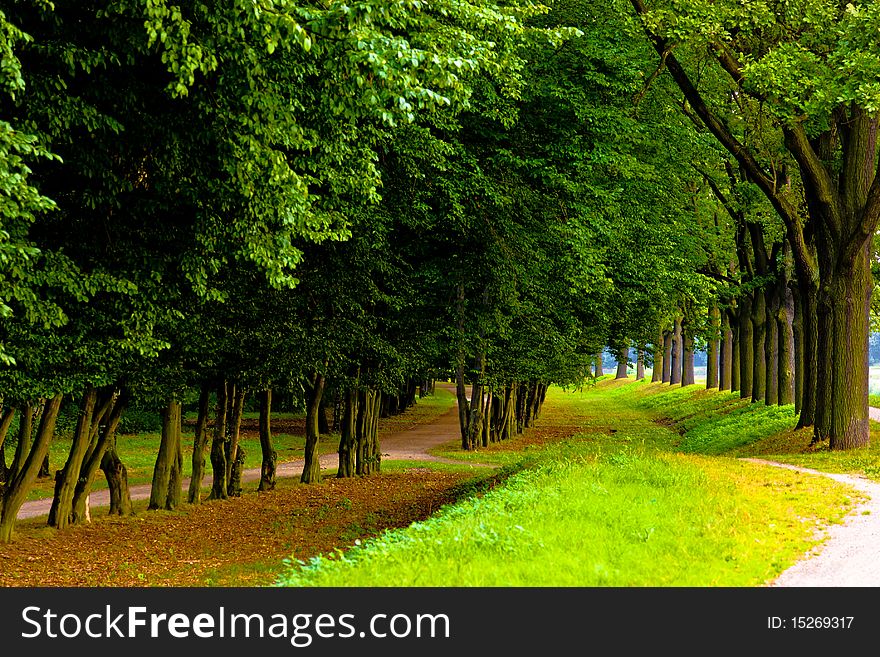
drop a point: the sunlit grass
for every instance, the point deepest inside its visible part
(615, 505)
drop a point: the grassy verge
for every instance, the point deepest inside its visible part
(617, 504)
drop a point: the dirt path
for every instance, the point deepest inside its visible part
(851, 554)
(408, 445)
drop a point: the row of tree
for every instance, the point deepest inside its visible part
(344, 200)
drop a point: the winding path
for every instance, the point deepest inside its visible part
(407, 445)
(850, 556)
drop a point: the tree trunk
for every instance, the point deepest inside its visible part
(771, 348)
(599, 371)
(677, 352)
(106, 431)
(657, 369)
(667, 357)
(169, 447)
(746, 348)
(725, 355)
(640, 363)
(785, 331)
(687, 360)
(348, 435)
(825, 350)
(735, 355)
(218, 445)
(117, 481)
(312, 467)
(851, 293)
(270, 456)
(200, 443)
(798, 344)
(26, 467)
(622, 361)
(809, 299)
(234, 435)
(60, 514)
(759, 338)
(712, 347)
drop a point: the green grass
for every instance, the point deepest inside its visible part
(616, 505)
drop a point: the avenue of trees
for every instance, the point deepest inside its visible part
(218, 206)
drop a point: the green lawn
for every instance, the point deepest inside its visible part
(618, 504)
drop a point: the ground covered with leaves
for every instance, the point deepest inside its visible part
(238, 542)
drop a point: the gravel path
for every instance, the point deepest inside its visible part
(409, 445)
(851, 554)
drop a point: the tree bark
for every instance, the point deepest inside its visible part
(725, 355)
(667, 357)
(640, 363)
(270, 456)
(797, 328)
(622, 361)
(687, 360)
(234, 435)
(657, 369)
(314, 393)
(771, 348)
(60, 514)
(348, 435)
(169, 448)
(785, 331)
(746, 348)
(26, 466)
(200, 443)
(218, 445)
(117, 481)
(759, 338)
(106, 431)
(712, 347)
(677, 352)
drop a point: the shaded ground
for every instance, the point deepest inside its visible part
(243, 541)
(237, 542)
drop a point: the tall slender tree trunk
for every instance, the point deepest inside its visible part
(809, 301)
(26, 465)
(687, 359)
(759, 338)
(622, 361)
(348, 435)
(169, 449)
(746, 348)
(735, 355)
(785, 331)
(599, 370)
(657, 369)
(218, 444)
(771, 349)
(677, 352)
(105, 431)
(725, 355)
(825, 352)
(200, 443)
(640, 363)
(798, 343)
(234, 435)
(667, 357)
(312, 466)
(270, 456)
(60, 515)
(712, 347)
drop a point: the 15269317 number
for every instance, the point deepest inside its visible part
(821, 622)
(810, 622)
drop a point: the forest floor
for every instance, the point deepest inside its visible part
(243, 541)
